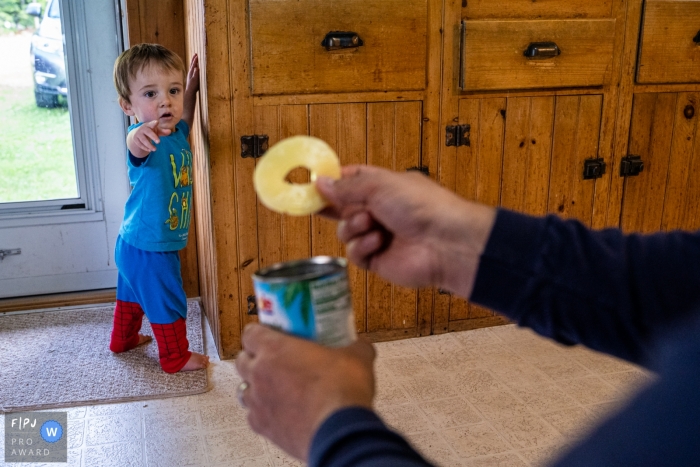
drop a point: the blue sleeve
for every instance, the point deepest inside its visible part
(135, 161)
(612, 292)
(659, 427)
(183, 127)
(356, 437)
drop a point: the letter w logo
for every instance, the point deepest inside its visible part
(52, 432)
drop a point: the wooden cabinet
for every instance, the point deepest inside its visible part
(658, 119)
(536, 83)
(670, 42)
(549, 98)
(272, 69)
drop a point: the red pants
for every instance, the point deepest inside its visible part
(171, 338)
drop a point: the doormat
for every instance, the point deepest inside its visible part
(59, 359)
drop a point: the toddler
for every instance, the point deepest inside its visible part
(155, 88)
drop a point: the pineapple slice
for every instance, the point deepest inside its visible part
(296, 199)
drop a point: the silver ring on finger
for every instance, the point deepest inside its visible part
(239, 393)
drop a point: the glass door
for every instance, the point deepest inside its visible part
(63, 181)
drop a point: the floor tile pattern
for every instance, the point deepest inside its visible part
(495, 397)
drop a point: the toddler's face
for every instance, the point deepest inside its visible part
(156, 94)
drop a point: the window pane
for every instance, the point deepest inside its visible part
(36, 147)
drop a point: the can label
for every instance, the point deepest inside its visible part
(316, 309)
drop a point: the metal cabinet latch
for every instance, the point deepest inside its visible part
(252, 307)
(457, 135)
(593, 168)
(9, 252)
(253, 145)
(631, 166)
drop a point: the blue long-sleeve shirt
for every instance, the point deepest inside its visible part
(632, 296)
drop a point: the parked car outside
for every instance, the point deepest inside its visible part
(47, 56)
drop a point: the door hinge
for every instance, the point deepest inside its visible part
(252, 307)
(631, 166)
(422, 169)
(593, 168)
(457, 135)
(253, 145)
(9, 252)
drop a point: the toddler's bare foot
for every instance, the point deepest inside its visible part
(119, 346)
(197, 361)
(144, 339)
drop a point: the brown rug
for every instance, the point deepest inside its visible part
(59, 359)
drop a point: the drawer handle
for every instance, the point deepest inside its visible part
(542, 50)
(341, 40)
(696, 39)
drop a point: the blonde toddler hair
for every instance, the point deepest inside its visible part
(132, 60)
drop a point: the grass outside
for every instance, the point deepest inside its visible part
(36, 149)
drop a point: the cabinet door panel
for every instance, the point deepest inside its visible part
(393, 141)
(296, 230)
(575, 139)
(666, 194)
(269, 222)
(525, 154)
(474, 172)
(343, 127)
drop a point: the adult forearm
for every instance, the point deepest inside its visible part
(609, 291)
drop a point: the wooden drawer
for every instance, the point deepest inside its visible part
(531, 9)
(288, 58)
(669, 51)
(494, 54)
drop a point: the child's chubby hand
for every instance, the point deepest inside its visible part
(143, 139)
(192, 84)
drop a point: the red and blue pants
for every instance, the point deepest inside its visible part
(150, 282)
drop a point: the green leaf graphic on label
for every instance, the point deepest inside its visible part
(292, 292)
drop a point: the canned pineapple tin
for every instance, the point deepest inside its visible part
(309, 298)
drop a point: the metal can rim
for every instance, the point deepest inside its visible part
(262, 274)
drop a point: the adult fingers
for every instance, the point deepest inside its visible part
(253, 336)
(356, 185)
(360, 250)
(356, 225)
(244, 364)
(362, 349)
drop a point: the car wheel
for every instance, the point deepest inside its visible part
(45, 100)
